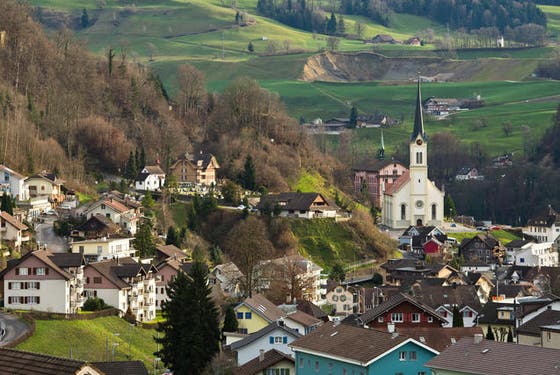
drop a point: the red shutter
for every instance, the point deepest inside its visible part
(17, 271)
(34, 271)
(46, 271)
(9, 300)
(9, 287)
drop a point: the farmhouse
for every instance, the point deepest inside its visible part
(297, 205)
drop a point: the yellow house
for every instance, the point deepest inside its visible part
(255, 313)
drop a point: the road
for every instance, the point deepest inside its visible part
(11, 328)
(44, 233)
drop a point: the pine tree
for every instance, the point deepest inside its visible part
(249, 174)
(148, 201)
(353, 117)
(457, 317)
(237, 18)
(142, 157)
(230, 320)
(331, 25)
(250, 47)
(190, 327)
(144, 240)
(130, 170)
(7, 204)
(490, 334)
(341, 28)
(85, 18)
(449, 206)
(172, 237)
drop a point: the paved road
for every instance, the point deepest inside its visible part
(11, 328)
(44, 234)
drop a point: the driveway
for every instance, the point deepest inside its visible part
(44, 233)
(11, 328)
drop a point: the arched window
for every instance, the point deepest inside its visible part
(403, 211)
(418, 158)
(434, 210)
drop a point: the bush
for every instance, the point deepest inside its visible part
(94, 304)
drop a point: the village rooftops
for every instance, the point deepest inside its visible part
(439, 338)
(26, 363)
(546, 218)
(3, 168)
(55, 261)
(122, 368)
(488, 357)
(294, 201)
(263, 307)
(13, 221)
(171, 251)
(546, 318)
(258, 365)
(263, 332)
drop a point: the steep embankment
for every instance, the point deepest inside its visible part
(368, 66)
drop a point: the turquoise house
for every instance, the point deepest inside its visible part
(340, 349)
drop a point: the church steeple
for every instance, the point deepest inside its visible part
(418, 129)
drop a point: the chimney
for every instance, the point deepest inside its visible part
(477, 338)
(391, 327)
(261, 355)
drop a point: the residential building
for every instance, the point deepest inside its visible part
(438, 338)
(513, 247)
(97, 226)
(227, 277)
(34, 207)
(12, 231)
(478, 356)
(104, 248)
(116, 211)
(123, 283)
(275, 335)
(255, 313)
(166, 271)
(44, 281)
(482, 248)
(13, 183)
(537, 255)
(405, 270)
(19, 362)
(150, 178)
(401, 310)
(550, 336)
(311, 309)
(384, 38)
(297, 205)
(46, 185)
(531, 332)
(343, 300)
(198, 169)
(441, 106)
(419, 240)
(468, 174)
(271, 362)
(371, 177)
(301, 322)
(345, 349)
(414, 41)
(545, 226)
(165, 252)
(503, 161)
(414, 199)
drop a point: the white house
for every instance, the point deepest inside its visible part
(544, 227)
(468, 173)
(537, 254)
(13, 183)
(115, 210)
(151, 177)
(99, 249)
(44, 281)
(45, 185)
(297, 205)
(342, 300)
(12, 230)
(227, 276)
(414, 199)
(274, 336)
(468, 313)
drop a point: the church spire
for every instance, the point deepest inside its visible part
(418, 120)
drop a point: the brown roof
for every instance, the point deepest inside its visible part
(263, 307)
(122, 368)
(435, 296)
(257, 366)
(26, 363)
(170, 251)
(11, 171)
(532, 327)
(48, 258)
(13, 221)
(491, 357)
(401, 181)
(153, 169)
(349, 342)
(394, 301)
(304, 319)
(312, 309)
(294, 201)
(112, 271)
(116, 205)
(438, 338)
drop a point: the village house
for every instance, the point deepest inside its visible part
(424, 240)
(502, 161)
(371, 177)
(344, 349)
(536, 254)
(197, 169)
(404, 270)
(513, 247)
(544, 227)
(492, 357)
(468, 174)
(166, 252)
(44, 281)
(12, 231)
(384, 38)
(343, 300)
(116, 211)
(482, 248)
(299, 321)
(275, 335)
(227, 277)
(541, 330)
(13, 183)
(441, 106)
(46, 185)
(255, 313)
(167, 270)
(414, 41)
(297, 205)
(98, 249)
(97, 226)
(270, 362)
(124, 284)
(150, 178)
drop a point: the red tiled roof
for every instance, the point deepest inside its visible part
(257, 366)
(397, 185)
(13, 221)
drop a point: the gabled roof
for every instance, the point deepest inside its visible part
(312, 309)
(532, 327)
(65, 260)
(304, 319)
(487, 239)
(401, 181)
(293, 201)
(49, 259)
(519, 243)
(26, 363)
(171, 251)
(491, 357)
(439, 338)
(115, 270)
(545, 218)
(204, 158)
(263, 332)
(122, 368)
(260, 305)
(13, 221)
(257, 366)
(11, 171)
(349, 343)
(375, 165)
(49, 177)
(152, 169)
(435, 296)
(393, 302)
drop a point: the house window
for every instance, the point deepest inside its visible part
(403, 211)
(430, 319)
(301, 363)
(239, 315)
(162, 290)
(402, 356)
(467, 314)
(316, 366)
(415, 317)
(412, 356)
(40, 271)
(521, 260)
(22, 271)
(97, 280)
(380, 319)
(418, 158)
(248, 315)
(397, 317)
(102, 206)
(433, 212)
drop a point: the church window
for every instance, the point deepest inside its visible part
(433, 212)
(418, 158)
(403, 211)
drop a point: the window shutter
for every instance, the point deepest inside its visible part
(9, 287)
(38, 285)
(38, 300)
(34, 271)
(24, 285)
(271, 339)
(285, 339)
(46, 271)
(9, 300)
(17, 271)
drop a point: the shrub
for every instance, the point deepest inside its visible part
(94, 304)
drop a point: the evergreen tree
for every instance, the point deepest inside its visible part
(250, 47)
(353, 117)
(190, 329)
(85, 18)
(457, 317)
(337, 273)
(249, 174)
(230, 320)
(490, 334)
(237, 18)
(142, 157)
(172, 237)
(331, 25)
(7, 204)
(130, 169)
(148, 201)
(144, 240)
(137, 161)
(510, 335)
(341, 28)
(449, 206)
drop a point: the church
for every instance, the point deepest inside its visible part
(413, 199)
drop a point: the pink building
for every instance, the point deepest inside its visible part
(373, 175)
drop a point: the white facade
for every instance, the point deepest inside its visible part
(13, 183)
(309, 214)
(469, 316)
(113, 297)
(152, 181)
(115, 211)
(537, 254)
(104, 248)
(543, 233)
(342, 300)
(278, 339)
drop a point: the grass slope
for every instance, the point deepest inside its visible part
(86, 339)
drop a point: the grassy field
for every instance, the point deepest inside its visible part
(501, 235)
(87, 339)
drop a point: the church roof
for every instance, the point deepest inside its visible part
(397, 185)
(418, 120)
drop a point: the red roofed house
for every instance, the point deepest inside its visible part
(12, 231)
(116, 211)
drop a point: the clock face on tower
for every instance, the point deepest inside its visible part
(419, 204)
(419, 142)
